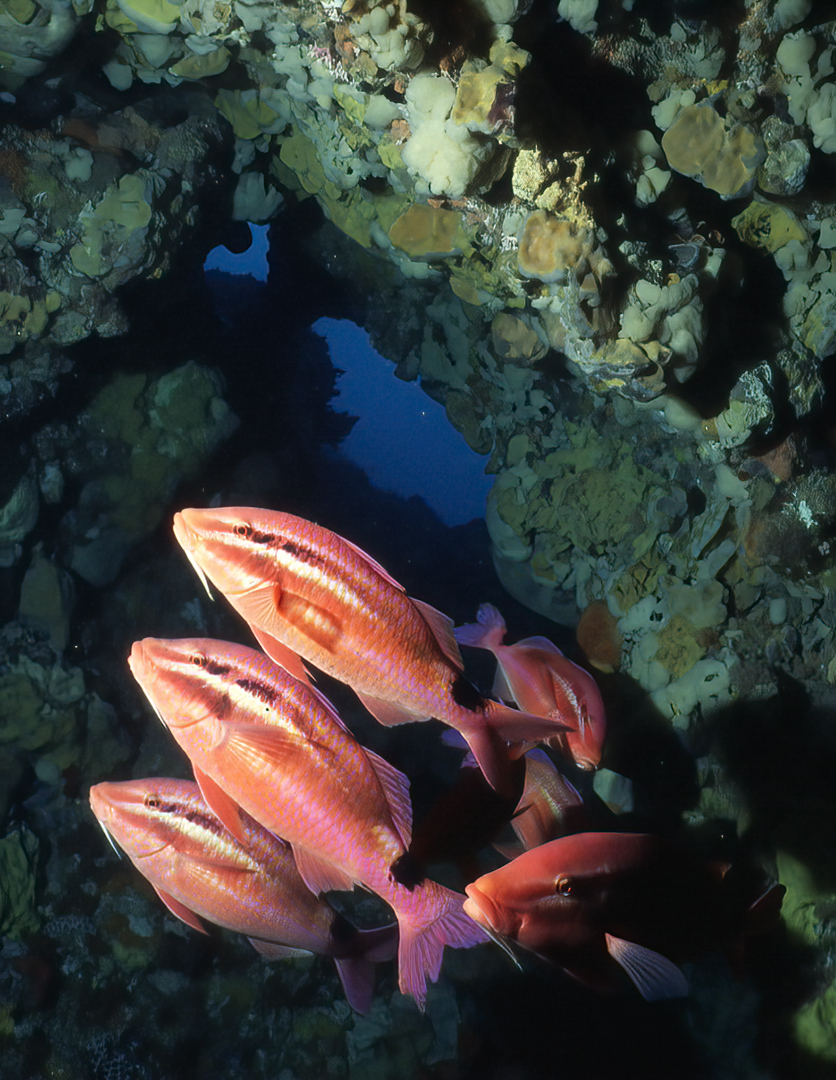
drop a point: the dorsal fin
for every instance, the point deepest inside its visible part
(396, 788)
(330, 708)
(374, 565)
(441, 626)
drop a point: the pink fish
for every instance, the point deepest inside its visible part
(261, 739)
(548, 808)
(200, 871)
(308, 593)
(536, 675)
(598, 904)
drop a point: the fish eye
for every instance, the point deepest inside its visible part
(245, 532)
(152, 801)
(198, 659)
(563, 886)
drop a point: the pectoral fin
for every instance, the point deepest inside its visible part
(655, 977)
(224, 807)
(282, 655)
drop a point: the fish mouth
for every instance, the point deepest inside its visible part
(144, 671)
(187, 539)
(483, 911)
(182, 531)
(104, 802)
(481, 908)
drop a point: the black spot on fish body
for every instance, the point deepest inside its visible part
(251, 535)
(406, 871)
(466, 695)
(263, 691)
(301, 553)
(211, 667)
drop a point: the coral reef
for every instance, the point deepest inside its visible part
(602, 237)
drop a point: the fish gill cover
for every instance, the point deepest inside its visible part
(599, 235)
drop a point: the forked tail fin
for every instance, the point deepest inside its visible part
(506, 735)
(439, 922)
(488, 632)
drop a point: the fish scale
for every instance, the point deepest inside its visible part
(260, 739)
(307, 592)
(201, 871)
(207, 864)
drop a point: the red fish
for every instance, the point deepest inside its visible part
(261, 739)
(308, 593)
(596, 903)
(548, 808)
(200, 871)
(536, 675)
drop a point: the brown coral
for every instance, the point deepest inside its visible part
(552, 245)
(599, 637)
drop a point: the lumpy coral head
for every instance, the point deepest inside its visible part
(550, 246)
(427, 232)
(693, 138)
(697, 144)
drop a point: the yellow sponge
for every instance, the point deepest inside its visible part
(551, 245)
(699, 145)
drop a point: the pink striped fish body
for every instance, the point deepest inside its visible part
(261, 739)
(307, 592)
(536, 675)
(201, 871)
(548, 808)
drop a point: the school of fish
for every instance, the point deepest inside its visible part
(287, 805)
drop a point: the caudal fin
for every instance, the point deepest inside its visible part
(439, 922)
(487, 633)
(519, 727)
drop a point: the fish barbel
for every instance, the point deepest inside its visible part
(598, 902)
(261, 739)
(536, 675)
(307, 592)
(200, 871)
(565, 902)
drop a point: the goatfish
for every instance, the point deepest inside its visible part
(600, 904)
(201, 871)
(263, 740)
(549, 807)
(310, 595)
(536, 675)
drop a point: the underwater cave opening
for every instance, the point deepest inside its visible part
(402, 439)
